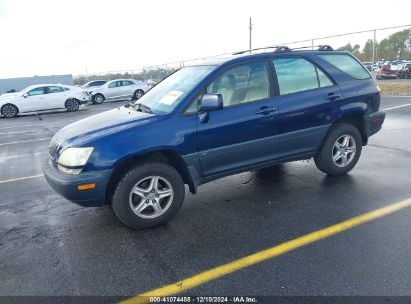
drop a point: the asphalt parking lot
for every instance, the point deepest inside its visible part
(49, 246)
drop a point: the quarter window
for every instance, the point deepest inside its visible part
(242, 84)
(298, 75)
(346, 64)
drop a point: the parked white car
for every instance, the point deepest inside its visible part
(119, 89)
(94, 84)
(42, 97)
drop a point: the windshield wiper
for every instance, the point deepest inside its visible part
(141, 107)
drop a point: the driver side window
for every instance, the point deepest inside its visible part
(242, 84)
(37, 91)
(112, 85)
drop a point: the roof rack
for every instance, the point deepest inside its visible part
(257, 49)
(325, 47)
(284, 48)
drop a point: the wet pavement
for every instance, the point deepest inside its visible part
(49, 246)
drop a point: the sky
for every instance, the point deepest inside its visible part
(45, 37)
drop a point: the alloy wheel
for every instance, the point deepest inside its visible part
(151, 197)
(99, 99)
(138, 94)
(9, 111)
(344, 150)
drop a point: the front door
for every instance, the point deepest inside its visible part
(244, 132)
(35, 100)
(113, 90)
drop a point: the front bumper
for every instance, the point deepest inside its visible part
(66, 185)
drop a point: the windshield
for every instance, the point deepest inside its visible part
(166, 95)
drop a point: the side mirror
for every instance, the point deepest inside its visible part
(25, 95)
(211, 102)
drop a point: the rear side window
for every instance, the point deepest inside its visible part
(55, 90)
(346, 64)
(127, 82)
(299, 75)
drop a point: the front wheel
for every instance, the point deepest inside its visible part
(98, 98)
(9, 110)
(72, 105)
(148, 195)
(340, 151)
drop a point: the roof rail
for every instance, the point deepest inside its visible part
(257, 49)
(284, 48)
(325, 47)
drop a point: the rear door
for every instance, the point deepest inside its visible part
(242, 134)
(56, 97)
(127, 89)
(306, 97)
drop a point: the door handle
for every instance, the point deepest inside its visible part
(333, 96)
(266, 110)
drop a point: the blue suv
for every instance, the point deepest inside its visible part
(214, 119)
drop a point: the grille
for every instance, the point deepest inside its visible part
(53, 147)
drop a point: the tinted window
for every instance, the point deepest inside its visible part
(324, 80)
(55, 90)
(298, 75)
(37, 91)
(242, 84)
(127, 82)
(96, 83)
(346, 64)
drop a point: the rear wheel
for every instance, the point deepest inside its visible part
(98, 98)
(72, 105)
(340, 151)
(138, 94)
(148, 195)
(9, 110)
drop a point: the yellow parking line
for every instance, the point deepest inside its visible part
(269, 253)
(24, 141)
(20, 178)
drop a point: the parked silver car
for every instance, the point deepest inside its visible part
(119, 89)
(89, 86)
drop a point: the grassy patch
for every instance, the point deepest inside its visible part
(395, 88)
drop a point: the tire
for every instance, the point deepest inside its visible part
(124, 200)
(138, 94)
(98, 98)
(9, 110)
(72, 105)
(333, 148)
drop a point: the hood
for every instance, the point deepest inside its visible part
(9, 95)
(84, 131)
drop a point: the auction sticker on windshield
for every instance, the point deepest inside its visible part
(171, 97)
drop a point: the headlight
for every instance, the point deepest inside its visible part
(74, 157)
